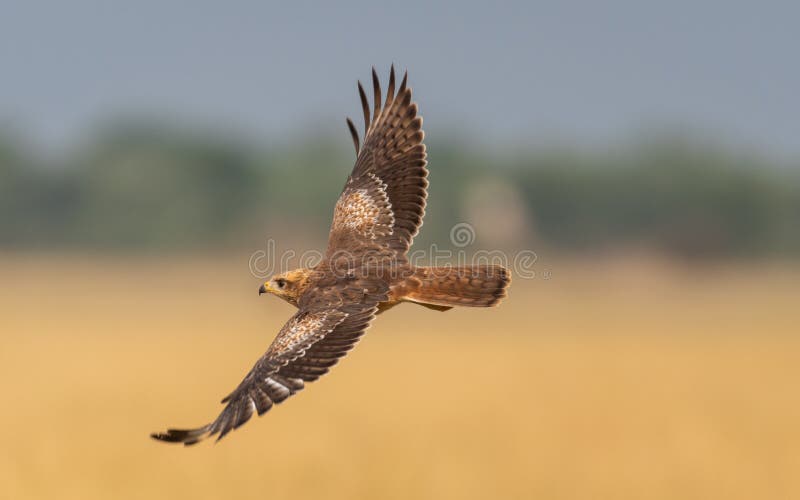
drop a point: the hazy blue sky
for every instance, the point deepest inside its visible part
(527, 71)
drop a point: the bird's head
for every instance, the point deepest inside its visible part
(288, 285)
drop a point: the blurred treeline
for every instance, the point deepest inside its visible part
(144, 186)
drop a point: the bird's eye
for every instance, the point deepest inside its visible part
(280, 283)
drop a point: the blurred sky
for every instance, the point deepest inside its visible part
(590, 72)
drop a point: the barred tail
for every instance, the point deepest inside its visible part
(476, 286)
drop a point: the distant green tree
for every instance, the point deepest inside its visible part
(140, 184)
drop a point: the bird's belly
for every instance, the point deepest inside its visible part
(385, 306)
(397, 294)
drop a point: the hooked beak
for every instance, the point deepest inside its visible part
(262, 289)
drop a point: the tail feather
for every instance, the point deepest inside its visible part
(475, 286)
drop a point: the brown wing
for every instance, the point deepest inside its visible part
(328, 325)
(383, 201)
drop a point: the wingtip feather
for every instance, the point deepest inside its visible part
(365, 107)
(354, 135)
(186, 436)
(390, 89)
(376, 94)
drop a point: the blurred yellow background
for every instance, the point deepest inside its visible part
(630, 378)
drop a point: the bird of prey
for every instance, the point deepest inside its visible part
(365, 269)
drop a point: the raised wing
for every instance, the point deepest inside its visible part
(383, 201)
(312, 341)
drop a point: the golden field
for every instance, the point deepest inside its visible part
(621, 379)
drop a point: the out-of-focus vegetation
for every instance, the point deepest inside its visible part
(623, 380)
(138, 186)
(624, 376)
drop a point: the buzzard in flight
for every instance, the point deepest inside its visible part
(365, 269)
